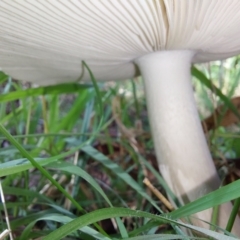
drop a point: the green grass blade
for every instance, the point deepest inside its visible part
(26, 193)
(219, 196)
(99, 97)
(233, 215)
(122, 228)
(61, 219)
(107, 213)
(96, 88)
(163, 237)
(96, 216)
(39, 167)
(19, 165)
(89, 150)
(33, 92)
(3, 77)
(72, 169)
(200, 75)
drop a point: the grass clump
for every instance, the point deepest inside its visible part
(73, 160)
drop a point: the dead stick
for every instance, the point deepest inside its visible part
(158, 194)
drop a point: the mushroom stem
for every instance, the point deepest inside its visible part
(182, 152)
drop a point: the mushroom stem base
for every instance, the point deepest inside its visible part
(182, 152)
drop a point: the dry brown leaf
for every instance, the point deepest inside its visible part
(226, 119)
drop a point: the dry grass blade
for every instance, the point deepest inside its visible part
(158, 194)
(7, 231)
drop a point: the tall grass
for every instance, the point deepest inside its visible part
(73, 159)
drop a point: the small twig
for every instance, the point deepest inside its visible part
(7, 231)
(72, 184)
(158, 194)
(43, 190)
(4, 234)
(75, 162)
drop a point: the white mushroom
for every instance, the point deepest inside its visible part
(45, 42)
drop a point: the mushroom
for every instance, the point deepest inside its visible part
(45, 41)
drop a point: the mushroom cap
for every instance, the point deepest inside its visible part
(46, 41)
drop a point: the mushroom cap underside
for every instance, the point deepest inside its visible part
(46, 41)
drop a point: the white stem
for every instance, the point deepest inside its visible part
(182, 152)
